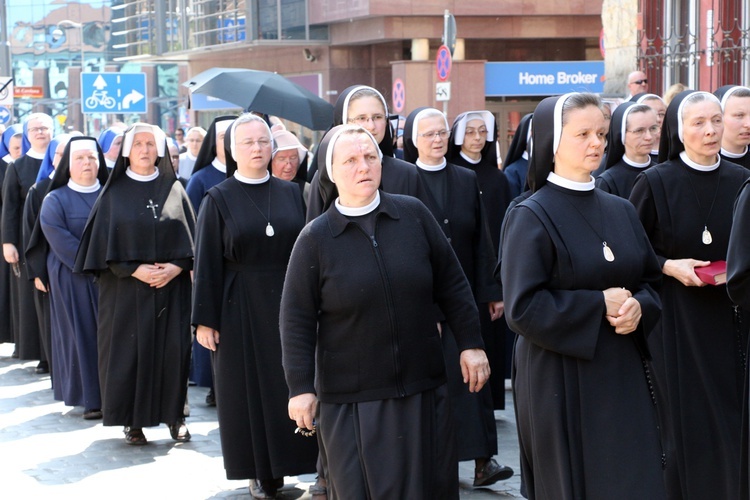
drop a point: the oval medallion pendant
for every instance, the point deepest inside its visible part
(269, 230)
(609, 256)
(707, 239)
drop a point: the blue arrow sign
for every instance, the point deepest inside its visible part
(5, 115)
(113, 92)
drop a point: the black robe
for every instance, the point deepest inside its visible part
(699, 351)
(36, 264)
(495, 193)
(743, 161)
(619, 179)
(738, 287)
(587, 422)
(397, 177)
(239, 276)
(143, 332)
(7, 332)
(463, 220)
(19, 177)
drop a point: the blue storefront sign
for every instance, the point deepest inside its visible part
(543, 78)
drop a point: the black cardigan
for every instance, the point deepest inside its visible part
(364, 306)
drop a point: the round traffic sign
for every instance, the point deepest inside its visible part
(399, 95)
(443, 61)
(5, 115)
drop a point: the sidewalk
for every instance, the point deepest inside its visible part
(48, 451)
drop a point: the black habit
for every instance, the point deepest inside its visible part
(19, 177)
(144, 332)
(239, 276)
(7, 313)
(699, 349)
(585, 404)
(453, 197)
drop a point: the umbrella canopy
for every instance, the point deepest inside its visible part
(264, 92)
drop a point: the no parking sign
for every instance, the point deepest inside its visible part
(399, 95)
(443, 62)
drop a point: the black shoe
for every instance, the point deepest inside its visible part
(262, 489)
(42, 368)
(95, 414)
(211, 397)
(491, 473)
(179, 431)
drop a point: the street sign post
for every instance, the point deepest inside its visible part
(449, 31)
(113, 93)
(6, 91)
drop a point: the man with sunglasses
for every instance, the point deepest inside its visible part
(637, 83)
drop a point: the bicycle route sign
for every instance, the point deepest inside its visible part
(113, 92)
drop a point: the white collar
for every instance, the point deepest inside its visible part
(635, 163)
(221, 167)
(358, 211)
(729, 154)
(110, 163)
(7, 158)
(142, 178)
(568, 184)
(431, 168)
(189, 156)
(84, 189)
(696, 166)
(250, 180)
(34, 154)
(525, 155)
(470, 160)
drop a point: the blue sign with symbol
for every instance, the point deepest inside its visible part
(399, 95)
(443, 63)
(113, 92)
(542, 78)
(5, 115)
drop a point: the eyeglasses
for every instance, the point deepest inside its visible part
(34, 130)
(640, 82)
(290, 159)
(362, 119)
(480, 132)
(195, 140)
(175, 157)
(263, 143)
(640, 131)
(430, 136)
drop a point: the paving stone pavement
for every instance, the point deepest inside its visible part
(48, 451)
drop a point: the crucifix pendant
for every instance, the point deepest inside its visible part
(153, 206)
(609, 256)
(707, 238)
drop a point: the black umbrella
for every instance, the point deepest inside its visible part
(264, 92)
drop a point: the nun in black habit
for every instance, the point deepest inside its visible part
(578, 275)
(209, 170)
(360, 344)
(10, 148)
(472, 146)
(685, 204)
(633, 132)
(19, 177)
(246, 229)
(138, 240)
(453, 197)
(735, 103)
(656, 103)
(364, 106)
(517, 159)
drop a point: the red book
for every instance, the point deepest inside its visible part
(714, 274)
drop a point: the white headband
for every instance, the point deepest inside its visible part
(159, 137)
(332, 143)
(557, 122)
(345, 112)
(420, 115)
(460, 130)
(681, 109)
(728, 94)
(83, 144)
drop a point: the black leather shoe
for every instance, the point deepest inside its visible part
(491, 473)
(211, 397)
(42, 368)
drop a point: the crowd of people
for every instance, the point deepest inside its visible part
(349, 308)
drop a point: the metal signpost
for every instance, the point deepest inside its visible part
(444, 61)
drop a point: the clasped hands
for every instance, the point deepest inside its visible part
(157, 275)
(623, 311)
